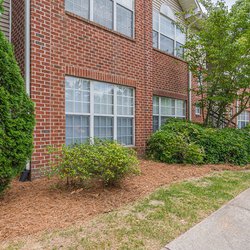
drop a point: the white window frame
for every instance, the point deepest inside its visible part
(197, 110)
(246, 114)
(114, 21)
(159, 34)
(115, 114)
(160, 115)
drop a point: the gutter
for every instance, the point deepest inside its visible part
(25, 176)
(10, 21)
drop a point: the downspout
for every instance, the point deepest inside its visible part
(27, 46)
(26, 173)
(10, 20)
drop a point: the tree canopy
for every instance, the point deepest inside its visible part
(218, 53)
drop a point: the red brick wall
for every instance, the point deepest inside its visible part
(195, 99)
(18, 31)
(64, 44)
(170, 76)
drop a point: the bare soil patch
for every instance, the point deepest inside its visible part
(38, 206)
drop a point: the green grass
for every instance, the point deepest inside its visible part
(154, 221)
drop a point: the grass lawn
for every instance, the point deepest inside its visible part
(150, 223)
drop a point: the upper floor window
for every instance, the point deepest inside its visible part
(113, 14)
(167, 36)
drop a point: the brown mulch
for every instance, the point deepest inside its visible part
(32, 207)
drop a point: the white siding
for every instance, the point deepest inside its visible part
(174, 4)
(5, 19)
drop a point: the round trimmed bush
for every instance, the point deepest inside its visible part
(16, 117)
(105, 160)
(170, 146)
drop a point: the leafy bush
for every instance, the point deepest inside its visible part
(225, 146)
(184, 142)
(16, 117)
(104, 160)
(174, 147)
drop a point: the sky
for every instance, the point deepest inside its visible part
(229, 2)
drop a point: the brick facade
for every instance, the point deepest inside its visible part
(65, 44)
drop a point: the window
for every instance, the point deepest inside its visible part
(164, 108)
(243, 119)
(97, 109)
(197, 109)
(167, 36)
(113, 14)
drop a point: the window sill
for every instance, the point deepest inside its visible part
(132, 39)
(168, 54)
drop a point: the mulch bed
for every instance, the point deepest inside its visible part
(38, 206)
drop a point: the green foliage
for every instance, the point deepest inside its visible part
(225, 146)
(218, 52)
(16, 117)
(176, 143)
(185, 142)
(105, 160)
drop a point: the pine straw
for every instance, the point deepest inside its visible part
(40, 206)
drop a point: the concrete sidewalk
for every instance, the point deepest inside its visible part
(226, 229)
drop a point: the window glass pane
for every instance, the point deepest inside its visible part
(243, 119)
(180, 108)
(156, 105)
(167, 44)
(125, 101)
(164, 120)
(167, 27)
(155, 39)
(77, 95)
(103, 128)
(77, 129)
(155, 20)
(180, 36)
(124, 21)
(156, 124)
(103, 12)
(167, 107)
(126, 3)
(125, 130)
(197, 110)
(179, 50)
(103, 98)
(78, 7)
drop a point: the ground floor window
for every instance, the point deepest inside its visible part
(197, 109)
(98, 109)
(243, 119)
(165, 108)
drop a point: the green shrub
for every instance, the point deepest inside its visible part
(105, 160)
(189, 130)
(16, 117)
(225, 146)
(173, 147)
(184, 142)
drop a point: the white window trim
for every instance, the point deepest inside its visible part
(160, 115)
(159, 34)
(115, 116)
(240, 120)
(114, 20)
(196, 110)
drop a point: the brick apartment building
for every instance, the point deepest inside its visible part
(101, 68)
